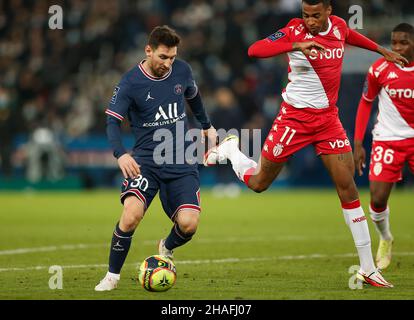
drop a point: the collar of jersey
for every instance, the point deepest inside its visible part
(145, 73)
(408, 69)
(327, 31)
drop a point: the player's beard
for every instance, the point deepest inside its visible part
(159, 72)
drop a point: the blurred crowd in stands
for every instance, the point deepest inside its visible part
(63, 79)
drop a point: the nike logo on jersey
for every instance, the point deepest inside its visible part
(392, 75)
(149, 96)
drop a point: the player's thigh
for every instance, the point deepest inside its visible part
(341, 168)
(290, 132)
(143, 188)
(380, 192)
(181, 193)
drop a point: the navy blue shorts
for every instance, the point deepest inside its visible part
(177, 190)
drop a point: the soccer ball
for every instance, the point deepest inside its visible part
(157, 273)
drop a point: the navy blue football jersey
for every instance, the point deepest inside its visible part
(151, 104)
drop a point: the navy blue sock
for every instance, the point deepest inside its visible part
(177, 238)
(121, 241)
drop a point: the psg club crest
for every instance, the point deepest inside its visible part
(178, 89)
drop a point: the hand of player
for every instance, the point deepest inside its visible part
(359, 157)
(211, 135)
(129, 167)
(307, 47)
(393, 56)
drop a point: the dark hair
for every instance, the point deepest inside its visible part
(163, 35)
(326, 3)
(405, 27)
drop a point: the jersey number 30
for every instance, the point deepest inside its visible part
(140, 182)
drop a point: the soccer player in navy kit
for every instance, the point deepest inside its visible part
(151, 96)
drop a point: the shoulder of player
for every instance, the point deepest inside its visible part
(338, 21)
(378, 67)
(181, 66)
(295, 22)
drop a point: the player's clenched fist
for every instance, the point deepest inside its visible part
(129, 167)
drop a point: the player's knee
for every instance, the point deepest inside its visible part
(378, 202)
(132, 215)
(258, 187)
(188, 222)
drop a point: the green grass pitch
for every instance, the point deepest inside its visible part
(275, 245)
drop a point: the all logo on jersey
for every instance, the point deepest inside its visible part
(165, 115)
(178, 89)
(115, 95)
(392, 75)
(276, 36)
(172, 112)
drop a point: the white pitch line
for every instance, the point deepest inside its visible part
(208, 261)
(83, 246)
(50, 248)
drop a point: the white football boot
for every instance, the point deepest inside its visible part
(110, 282)
(221, 152)
(374, 279)
(163, 251)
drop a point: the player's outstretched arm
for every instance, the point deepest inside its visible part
(265, 48)
(356, 39)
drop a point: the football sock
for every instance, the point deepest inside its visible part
(380, 217)
(241, 164)
(357, 222)
(121, 241)
(177, 238)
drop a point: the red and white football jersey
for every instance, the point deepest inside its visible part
(394, 85)
(314, 81)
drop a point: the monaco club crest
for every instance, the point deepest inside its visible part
(277, 150)
(377, 168)
(178, 89)
(337, 33)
